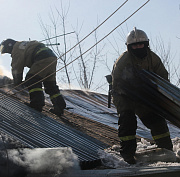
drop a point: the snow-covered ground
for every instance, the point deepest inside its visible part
(17, 159)
(154, 158)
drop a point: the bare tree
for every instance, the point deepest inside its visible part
(87, 64)
(165, 54)
(59, 18)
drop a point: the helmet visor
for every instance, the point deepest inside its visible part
(1, 48)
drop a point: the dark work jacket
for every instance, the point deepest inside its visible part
(126, 64)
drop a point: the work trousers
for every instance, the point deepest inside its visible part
(127, 110)
(43, 72)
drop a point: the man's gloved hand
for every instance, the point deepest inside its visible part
(17, 78)
(18, 84)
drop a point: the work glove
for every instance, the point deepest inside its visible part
(17, 78)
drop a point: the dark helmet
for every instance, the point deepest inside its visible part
(7, 46)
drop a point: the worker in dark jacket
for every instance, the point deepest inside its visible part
(138, 56)
(42, 63)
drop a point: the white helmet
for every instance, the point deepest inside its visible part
(136, 36)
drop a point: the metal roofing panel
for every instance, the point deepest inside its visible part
(38, 130)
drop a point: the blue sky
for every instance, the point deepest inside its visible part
(20, 21)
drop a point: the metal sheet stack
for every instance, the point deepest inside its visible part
(157, 93)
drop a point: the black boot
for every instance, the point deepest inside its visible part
(164, 143)
(129, 159)
(127, 151)
(37, 100)
(59, 105)
(126, 132)
(36, 107)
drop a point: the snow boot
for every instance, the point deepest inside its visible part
(59, 105)
(129, 159)
(36, 107)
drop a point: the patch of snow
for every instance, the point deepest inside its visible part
(22, 159)
(146, 155)
(41, 160)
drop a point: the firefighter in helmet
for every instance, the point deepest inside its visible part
(42, 63)
(138, 56)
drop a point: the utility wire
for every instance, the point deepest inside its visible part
(57, 36)
(102, 38)
(89, 48)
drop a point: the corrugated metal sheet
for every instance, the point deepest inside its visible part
(38, 130)
(157, 93)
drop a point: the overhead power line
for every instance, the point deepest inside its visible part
(81, 41)
(57, 36)
(76, 44)
(105, 36)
